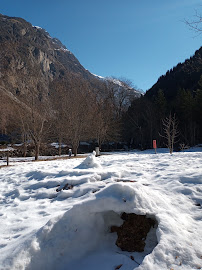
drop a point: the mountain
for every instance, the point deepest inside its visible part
(172, 106)
(184, 76)
(31, 61)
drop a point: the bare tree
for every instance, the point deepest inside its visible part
(4, 116)
(75, 112)
(196, 23)
(39, 123)
(113, 100)
(33, 121)
(23, 127)
(120, 93)
(81, 115)
(170, 128)
(7, 113)
(61, 105)
(106, 127)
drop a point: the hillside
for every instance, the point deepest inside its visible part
(31, 60)
(176, 94)
(185, 75)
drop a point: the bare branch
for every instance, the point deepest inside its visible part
(170, 128)
(196, 24)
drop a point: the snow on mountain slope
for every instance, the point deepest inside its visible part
(57, 214)
(120, 84)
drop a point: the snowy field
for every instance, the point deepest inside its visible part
(56, 215)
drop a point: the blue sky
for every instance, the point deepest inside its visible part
(135, 39)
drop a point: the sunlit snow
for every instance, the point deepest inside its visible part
(57, 214)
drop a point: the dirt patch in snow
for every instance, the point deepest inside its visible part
(133, 232)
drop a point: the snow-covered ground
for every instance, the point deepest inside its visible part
(41, 228)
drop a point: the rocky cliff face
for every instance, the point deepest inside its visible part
(31, 61)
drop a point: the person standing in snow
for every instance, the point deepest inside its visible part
(70, 152)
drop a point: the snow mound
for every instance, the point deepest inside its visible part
(90, 162)
(81, 238)
(54, 216)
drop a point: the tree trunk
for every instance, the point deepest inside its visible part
(60, 146)
(100, 144)
(75, 146)
(24, 149)
(75, 150)
(24, 139)
(37, 147)
(7, 158)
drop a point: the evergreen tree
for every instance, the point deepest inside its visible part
(185, 107)
(161, 103)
